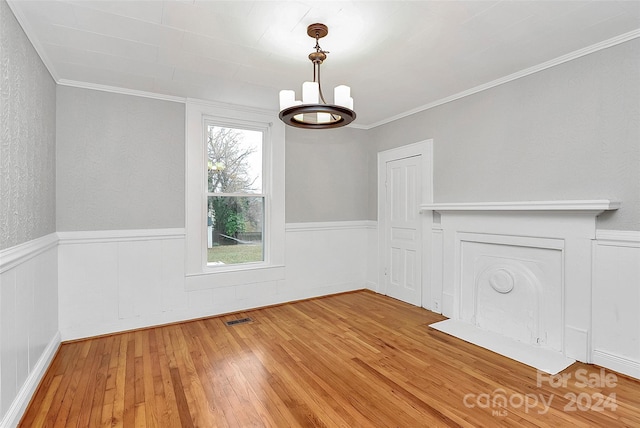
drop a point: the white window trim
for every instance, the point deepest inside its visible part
(198, 274)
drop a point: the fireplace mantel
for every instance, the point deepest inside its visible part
(599, 205)
(504, 260)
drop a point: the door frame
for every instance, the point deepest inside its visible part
(425, 150)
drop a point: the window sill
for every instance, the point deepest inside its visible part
(214, 278)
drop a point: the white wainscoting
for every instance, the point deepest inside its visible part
(117, 280)
(371, 277)
(326, 258)
(616, 301)
(121, 280)
(29, 335)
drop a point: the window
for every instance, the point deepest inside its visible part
(235, 201)
(234, 196)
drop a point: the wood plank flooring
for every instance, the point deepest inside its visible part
(350, 360)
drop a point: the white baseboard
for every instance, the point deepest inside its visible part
(617, 363)
(321, 291)
(20, 403)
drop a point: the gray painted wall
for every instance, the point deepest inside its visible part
(27, 138)
(326, 175)
(568, 132)
(120, 161)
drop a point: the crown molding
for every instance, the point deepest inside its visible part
(118, 90)
(230, 106)
(514, 76)
(356, 126)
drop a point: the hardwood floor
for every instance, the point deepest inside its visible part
(355, 359)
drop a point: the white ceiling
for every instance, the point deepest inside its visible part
(397, 56)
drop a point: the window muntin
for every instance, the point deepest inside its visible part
(234, 196)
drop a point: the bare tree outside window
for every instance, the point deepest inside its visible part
(234, 199)
(230, 168)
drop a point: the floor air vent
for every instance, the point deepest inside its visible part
(238, 321)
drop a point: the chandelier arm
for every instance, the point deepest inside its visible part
(333, 116)
(315, 77)
(319, 84)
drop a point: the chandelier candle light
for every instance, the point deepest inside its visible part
(313, 112)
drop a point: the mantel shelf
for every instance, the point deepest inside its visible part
(572, 205)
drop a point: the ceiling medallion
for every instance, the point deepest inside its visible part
(313, 112)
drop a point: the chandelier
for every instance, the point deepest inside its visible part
(313, 112)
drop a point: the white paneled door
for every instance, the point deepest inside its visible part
(403, 237)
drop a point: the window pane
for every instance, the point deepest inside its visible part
(234, 232)
(234, 160)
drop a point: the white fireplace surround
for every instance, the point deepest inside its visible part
(520, 272)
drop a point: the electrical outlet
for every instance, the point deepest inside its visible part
(436, 306)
